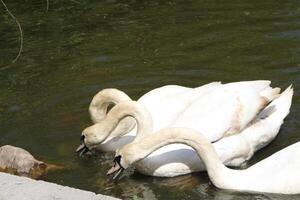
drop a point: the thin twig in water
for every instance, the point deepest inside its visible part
(75, 2)
(47, 5)
(21, 36)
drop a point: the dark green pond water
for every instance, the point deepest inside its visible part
(80, 47)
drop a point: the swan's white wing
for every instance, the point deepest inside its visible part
(165, 104)
(261, 131)
(266, 125)
(226, 110)
(178, 159)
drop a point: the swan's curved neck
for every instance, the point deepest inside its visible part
(101, 101)
(133, 109)
(216, 169)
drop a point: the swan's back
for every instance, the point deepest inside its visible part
(278, 173)
(166, 103)
(281, 161)
(227, 109)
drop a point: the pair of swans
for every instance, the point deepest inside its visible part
(235, 104)
(164, 104)
(186, 107)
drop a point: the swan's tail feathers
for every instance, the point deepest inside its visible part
(265, 90)
(266, 125)
(279, 108)
(271, 93)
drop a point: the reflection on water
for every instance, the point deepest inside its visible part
(80, 47)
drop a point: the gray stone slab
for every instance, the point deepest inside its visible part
(21, 188)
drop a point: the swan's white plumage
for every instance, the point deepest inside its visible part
(278, 173)
(225, 100)
(177, 159)
(167, 103)
(164, 104)
(176, 106)
(227, 109)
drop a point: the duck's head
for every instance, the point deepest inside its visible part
(92, 136)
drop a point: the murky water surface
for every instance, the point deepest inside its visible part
(77, 48)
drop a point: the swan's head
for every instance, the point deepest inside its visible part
(123, 159)
(93, 136)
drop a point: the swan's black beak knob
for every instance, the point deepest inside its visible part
(82, 138)
(116, 171)
(82, 149)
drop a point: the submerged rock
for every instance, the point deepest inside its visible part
(18, 161)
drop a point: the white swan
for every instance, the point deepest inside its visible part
(227, 109)
(169, 161)
(278, 173)
(177, 159)
(164, 104)
(236, 104)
